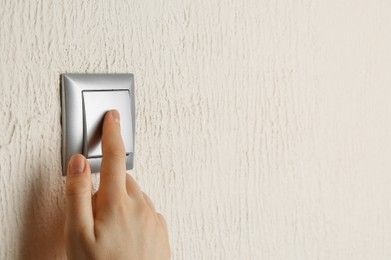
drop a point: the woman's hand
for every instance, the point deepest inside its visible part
(119, 221)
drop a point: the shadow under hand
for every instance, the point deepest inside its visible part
(43, 236)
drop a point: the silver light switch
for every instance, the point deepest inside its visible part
(85, 100)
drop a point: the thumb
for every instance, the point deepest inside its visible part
(79, 216)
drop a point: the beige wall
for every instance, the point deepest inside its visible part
(263, 127)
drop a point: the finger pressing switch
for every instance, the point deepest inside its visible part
(96, 104)
(85, 100)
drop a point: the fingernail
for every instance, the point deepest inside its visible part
(115, 115)
(77, 165)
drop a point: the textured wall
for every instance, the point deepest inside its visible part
(263, 127)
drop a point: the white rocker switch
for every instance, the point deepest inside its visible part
(96, 104)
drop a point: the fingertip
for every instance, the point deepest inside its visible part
(115, 115)
(112, 116)
(111, 133)
(77, 164)
(78, 175)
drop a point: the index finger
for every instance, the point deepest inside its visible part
(113, 169)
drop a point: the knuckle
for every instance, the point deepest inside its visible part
(161, 217)
(132, 187)
(144, 195)
(162, 220)
(148, 217)
(141, 209)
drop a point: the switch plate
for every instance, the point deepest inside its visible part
(85, 100)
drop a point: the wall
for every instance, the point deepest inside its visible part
(263, 127)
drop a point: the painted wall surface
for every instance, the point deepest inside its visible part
(263, 127)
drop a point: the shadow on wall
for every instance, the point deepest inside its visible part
(43, 236)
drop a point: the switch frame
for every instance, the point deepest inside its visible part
(72, 87)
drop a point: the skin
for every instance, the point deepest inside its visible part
(119, 221)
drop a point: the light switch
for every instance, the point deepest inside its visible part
(96, 104)
(85, 100)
